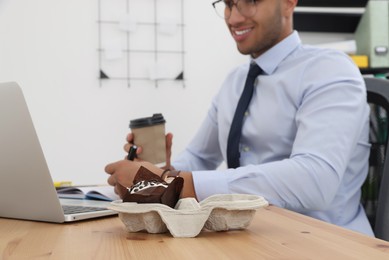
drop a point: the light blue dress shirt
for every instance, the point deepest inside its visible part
(304, 143)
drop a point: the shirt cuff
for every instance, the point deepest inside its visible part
(207, 183)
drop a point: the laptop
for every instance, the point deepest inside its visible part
(26, 188)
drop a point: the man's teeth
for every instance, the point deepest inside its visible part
(242, 32)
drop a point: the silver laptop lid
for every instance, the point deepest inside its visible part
(26, 187)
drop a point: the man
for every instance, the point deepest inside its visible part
(304, 140)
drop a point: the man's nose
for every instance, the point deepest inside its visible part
(235, 15)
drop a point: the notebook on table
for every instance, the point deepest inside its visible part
(26, 187)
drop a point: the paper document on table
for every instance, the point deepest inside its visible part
(104, 192)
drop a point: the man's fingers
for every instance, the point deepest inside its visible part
(120, 190)
(127, 147)
(130, 138)
(169, 143)
(110, 168)
(112, 180)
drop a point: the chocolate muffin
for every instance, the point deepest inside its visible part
(150, 188)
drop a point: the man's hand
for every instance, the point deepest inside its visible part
(122, 174)
(169, 144)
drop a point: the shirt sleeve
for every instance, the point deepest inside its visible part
(330, 120)
(203, 152)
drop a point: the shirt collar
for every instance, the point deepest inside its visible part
(270, 60)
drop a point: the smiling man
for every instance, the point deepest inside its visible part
(291, 124)
(268, 24)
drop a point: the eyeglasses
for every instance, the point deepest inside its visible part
(223, 8)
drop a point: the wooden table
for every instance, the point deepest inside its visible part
(273, 234)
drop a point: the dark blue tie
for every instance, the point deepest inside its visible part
(233, 153)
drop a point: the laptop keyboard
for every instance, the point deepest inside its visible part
(70, 209)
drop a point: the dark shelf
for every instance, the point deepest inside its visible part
(326, 22)
(375, 71)
(335, 21)
(333, 3)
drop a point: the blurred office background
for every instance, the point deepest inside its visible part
(51, 48)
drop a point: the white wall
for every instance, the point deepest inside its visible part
(50, 48)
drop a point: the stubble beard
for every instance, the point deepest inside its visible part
(271, 36)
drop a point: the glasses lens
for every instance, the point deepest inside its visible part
(246, 8)
(221, 8)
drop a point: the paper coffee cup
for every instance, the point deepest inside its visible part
(149, 133)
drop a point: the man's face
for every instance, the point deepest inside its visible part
(257, 34)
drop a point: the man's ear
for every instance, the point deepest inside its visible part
(289, 7)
